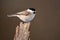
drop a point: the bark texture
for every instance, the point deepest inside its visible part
(22, 31)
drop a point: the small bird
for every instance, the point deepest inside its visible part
(26, 16)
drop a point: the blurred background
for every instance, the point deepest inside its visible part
(45, 26)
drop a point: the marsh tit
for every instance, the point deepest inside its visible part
(26, 16)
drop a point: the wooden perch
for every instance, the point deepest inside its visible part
(22, 31)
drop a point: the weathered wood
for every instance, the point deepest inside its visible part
(22, 31)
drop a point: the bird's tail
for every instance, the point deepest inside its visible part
(11, 15)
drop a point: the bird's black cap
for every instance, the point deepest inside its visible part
(33, 9)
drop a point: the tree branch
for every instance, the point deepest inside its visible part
(22, 31)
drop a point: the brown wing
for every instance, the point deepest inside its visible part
(23, 13)
(26, 13)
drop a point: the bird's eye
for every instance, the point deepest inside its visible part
(34, 12)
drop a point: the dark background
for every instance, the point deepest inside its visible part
(46, 25)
